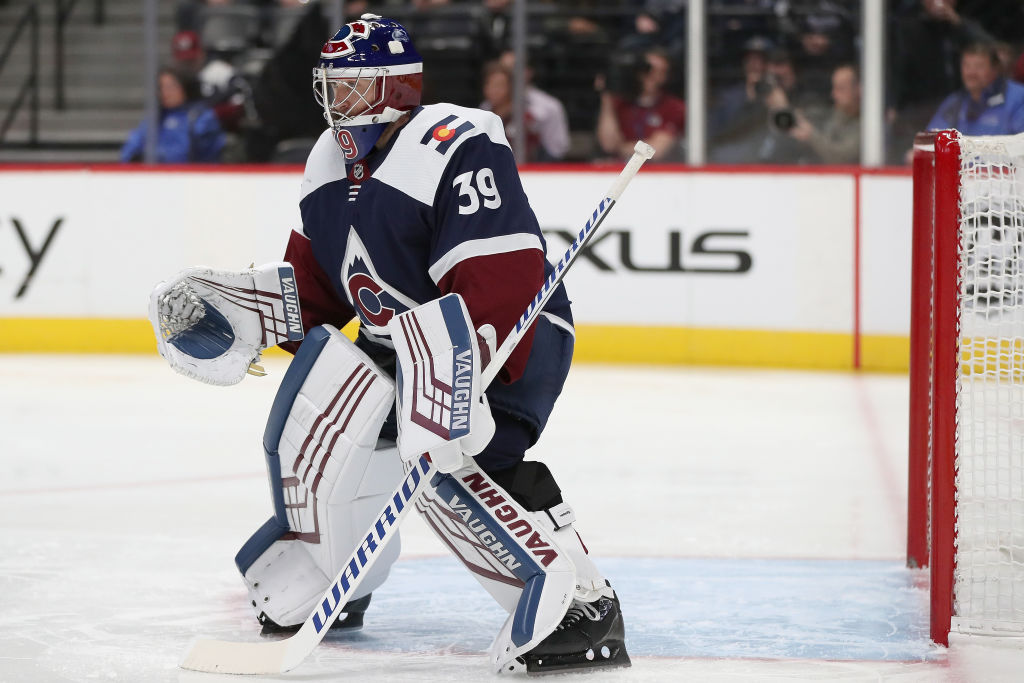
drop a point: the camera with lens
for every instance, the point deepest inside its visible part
(625, 69)
(783, 119)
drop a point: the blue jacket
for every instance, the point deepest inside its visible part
(1000, 111)
(190, 133)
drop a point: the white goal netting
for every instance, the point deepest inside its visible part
(989, 574)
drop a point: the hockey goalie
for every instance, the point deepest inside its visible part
(414, 221)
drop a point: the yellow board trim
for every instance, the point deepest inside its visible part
(881, 353)
(701, 346)
(594, 343)
(90, 335)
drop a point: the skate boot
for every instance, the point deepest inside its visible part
(353, 619)
(591, 635)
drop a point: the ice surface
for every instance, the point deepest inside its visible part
(752, 521)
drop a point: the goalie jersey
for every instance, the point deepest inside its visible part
(439, 209)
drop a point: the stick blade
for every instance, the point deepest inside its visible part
(227, 657)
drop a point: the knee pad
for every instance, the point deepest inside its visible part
(328, 481)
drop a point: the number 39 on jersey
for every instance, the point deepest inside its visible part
(472, 187)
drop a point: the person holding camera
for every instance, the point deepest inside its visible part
(838, 140)
(756, 129)
(635, 106)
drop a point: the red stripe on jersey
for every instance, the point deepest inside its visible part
(497, 288)
(319, 302)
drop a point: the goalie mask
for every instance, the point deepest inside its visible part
(368, 75)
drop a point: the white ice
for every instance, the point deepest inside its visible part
(753, 522)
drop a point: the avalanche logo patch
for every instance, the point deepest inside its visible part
(341, 45)
(443, 134)
(375, 301)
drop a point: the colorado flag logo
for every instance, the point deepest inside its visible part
(445, 132)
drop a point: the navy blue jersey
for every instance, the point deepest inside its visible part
(440, 209)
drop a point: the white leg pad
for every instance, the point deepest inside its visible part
(328, 479)
(285, 583)
(508, 551)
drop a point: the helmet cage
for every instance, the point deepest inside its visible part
(359, 96)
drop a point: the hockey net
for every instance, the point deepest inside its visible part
(966, 493)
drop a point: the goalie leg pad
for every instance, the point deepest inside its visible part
(508, 552)
(327, 480)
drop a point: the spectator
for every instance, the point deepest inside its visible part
(547, 127)
(838, 141)
(220, 86)
(925, 48)
(283, 81)
(758, 131)
(988, 104)
(635, 106)
(738, 115)
(821, 35)
(189, 132)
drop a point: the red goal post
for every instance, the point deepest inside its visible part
(966, 470)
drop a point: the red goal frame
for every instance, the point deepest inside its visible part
(934, 349)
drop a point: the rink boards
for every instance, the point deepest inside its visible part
(742, 266)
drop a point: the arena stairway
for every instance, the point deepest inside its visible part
(104, 79)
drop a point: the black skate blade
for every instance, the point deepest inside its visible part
(616, 657)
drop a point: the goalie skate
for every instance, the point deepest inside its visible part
(591, 635)
(350, 619)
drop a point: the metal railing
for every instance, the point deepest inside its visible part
(62, 10)
(30, 85)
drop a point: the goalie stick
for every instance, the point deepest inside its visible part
(220, 656)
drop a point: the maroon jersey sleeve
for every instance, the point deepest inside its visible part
(497, 288)
(319, 301)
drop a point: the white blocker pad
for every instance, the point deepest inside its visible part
(441, 408)
(211, 325)
(508, 551)
(327, 481)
